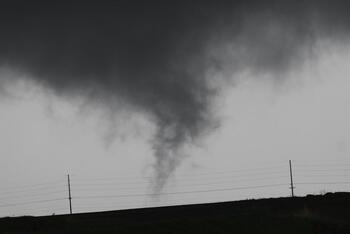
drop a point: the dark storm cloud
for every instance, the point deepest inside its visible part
(157, 57)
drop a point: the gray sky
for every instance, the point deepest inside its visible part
(264, 123)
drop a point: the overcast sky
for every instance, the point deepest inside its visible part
(193, 103)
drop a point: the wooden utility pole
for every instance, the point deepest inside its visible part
(69, 196)
(291, 178)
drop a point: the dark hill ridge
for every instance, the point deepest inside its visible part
(329, 213)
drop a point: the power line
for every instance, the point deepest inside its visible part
(49, 209)
(323, 183)
(227, 179)
(35, 194)
(280, 174)
(187, 175)
(28, 190)
(178, 184)
(182, 192)
(31, 202)
(322, 165)
(34, 185)
(323, 170)
(319, 175)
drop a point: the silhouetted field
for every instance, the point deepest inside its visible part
(329, 213)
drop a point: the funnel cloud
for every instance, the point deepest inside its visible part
(165, 59)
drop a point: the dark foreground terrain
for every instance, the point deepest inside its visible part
(328, 213)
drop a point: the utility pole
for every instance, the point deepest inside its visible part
(291, 178)
(69, 196)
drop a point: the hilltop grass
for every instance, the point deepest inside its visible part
(327, 213)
